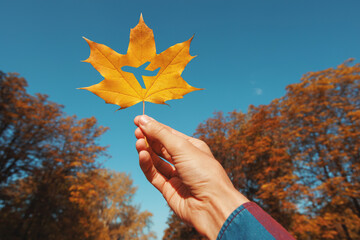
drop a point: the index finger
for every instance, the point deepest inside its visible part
(180, 134)
(194, 141)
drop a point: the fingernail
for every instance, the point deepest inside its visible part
(144, 119)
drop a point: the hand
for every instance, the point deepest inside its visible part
(195, 185)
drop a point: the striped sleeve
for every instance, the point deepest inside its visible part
(249, 221)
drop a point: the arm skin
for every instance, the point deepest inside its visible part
(194, 185)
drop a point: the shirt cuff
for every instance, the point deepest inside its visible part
(249, 221)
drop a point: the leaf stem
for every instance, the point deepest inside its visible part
(147, 144)
(143, 107)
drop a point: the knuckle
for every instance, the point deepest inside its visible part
(181, 144)
(158, 130)
(202, 144)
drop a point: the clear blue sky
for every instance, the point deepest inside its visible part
(248, 52)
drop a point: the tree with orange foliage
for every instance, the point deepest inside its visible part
(50, 184)
(322, 115)
(107, 198)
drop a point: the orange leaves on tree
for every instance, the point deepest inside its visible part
(122, 88)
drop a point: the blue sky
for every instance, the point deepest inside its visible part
(247, 53)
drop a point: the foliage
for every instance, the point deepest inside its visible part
(122, 88)
(322, 115)
(297, 157)
(50, 184)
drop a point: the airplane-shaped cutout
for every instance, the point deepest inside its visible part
(139, 72)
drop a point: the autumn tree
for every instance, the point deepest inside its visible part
(122, 217)
(322, 115)
(51, 186)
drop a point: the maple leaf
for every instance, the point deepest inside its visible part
(122, 88)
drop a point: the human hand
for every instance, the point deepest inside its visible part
(195, 185)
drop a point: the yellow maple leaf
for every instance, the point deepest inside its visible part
(122, 88)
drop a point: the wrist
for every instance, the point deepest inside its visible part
(222, 205)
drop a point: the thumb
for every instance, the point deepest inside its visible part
(154, 130)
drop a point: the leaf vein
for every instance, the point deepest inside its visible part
(166, 89)
(117, 69)
(163, 71)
